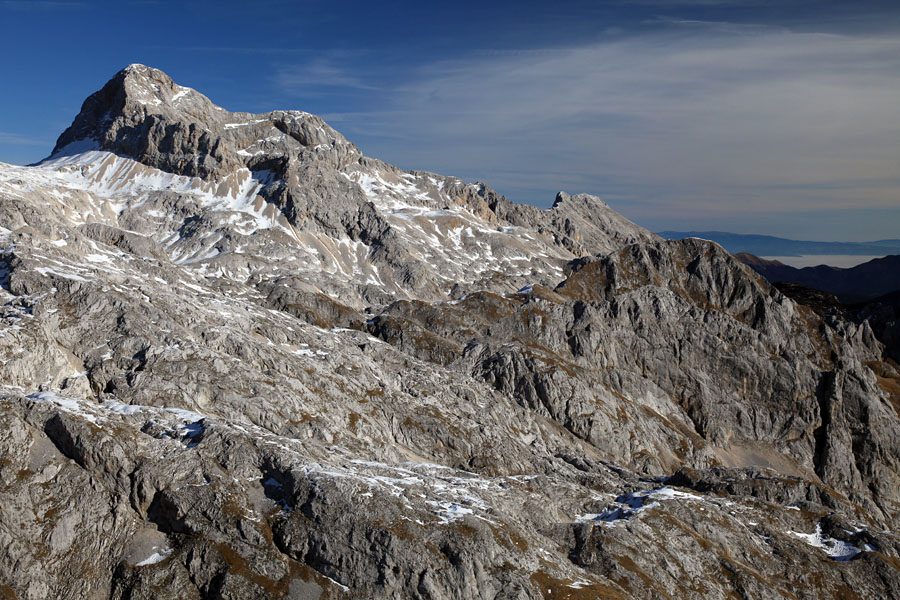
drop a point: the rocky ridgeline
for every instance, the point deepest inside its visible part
(242, 360)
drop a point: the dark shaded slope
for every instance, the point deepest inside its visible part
(883, 316)
(863, 282)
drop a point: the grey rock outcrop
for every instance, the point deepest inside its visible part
(241, 360)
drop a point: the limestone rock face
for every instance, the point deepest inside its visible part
(406, 233)
(238, 359)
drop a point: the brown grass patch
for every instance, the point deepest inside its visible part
(558, 589)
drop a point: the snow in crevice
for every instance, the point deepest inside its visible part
(181, 93)
(244, 123)
(449, 512)
(158, 555)
(630, 505)
(69, 405)
(839, 550)
(447, 494)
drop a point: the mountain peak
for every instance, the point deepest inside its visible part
(139, 68)
(121, 114)
(141, 113)
(148, 84)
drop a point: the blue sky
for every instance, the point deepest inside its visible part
(753, 116)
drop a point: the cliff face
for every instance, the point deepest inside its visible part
(240, 359)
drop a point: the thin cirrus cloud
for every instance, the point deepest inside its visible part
(701, 3)
(19, 140)
(711, 119)
(322, 74)
(43, 5)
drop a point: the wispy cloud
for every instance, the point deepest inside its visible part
(320, 74)
(704, 3)
(16, 139)
(239, 49)
(31, 5)
(705, 26)
(715, 120)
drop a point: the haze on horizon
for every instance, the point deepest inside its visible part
(750, 116)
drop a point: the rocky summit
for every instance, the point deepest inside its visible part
(240, 359)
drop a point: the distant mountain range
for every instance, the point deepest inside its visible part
(863, 282)
(766, 245)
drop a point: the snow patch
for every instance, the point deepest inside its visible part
(449, 512)
(836, 549)
(629, 505)
(577, 585)
(69, 405)
(159, 555)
